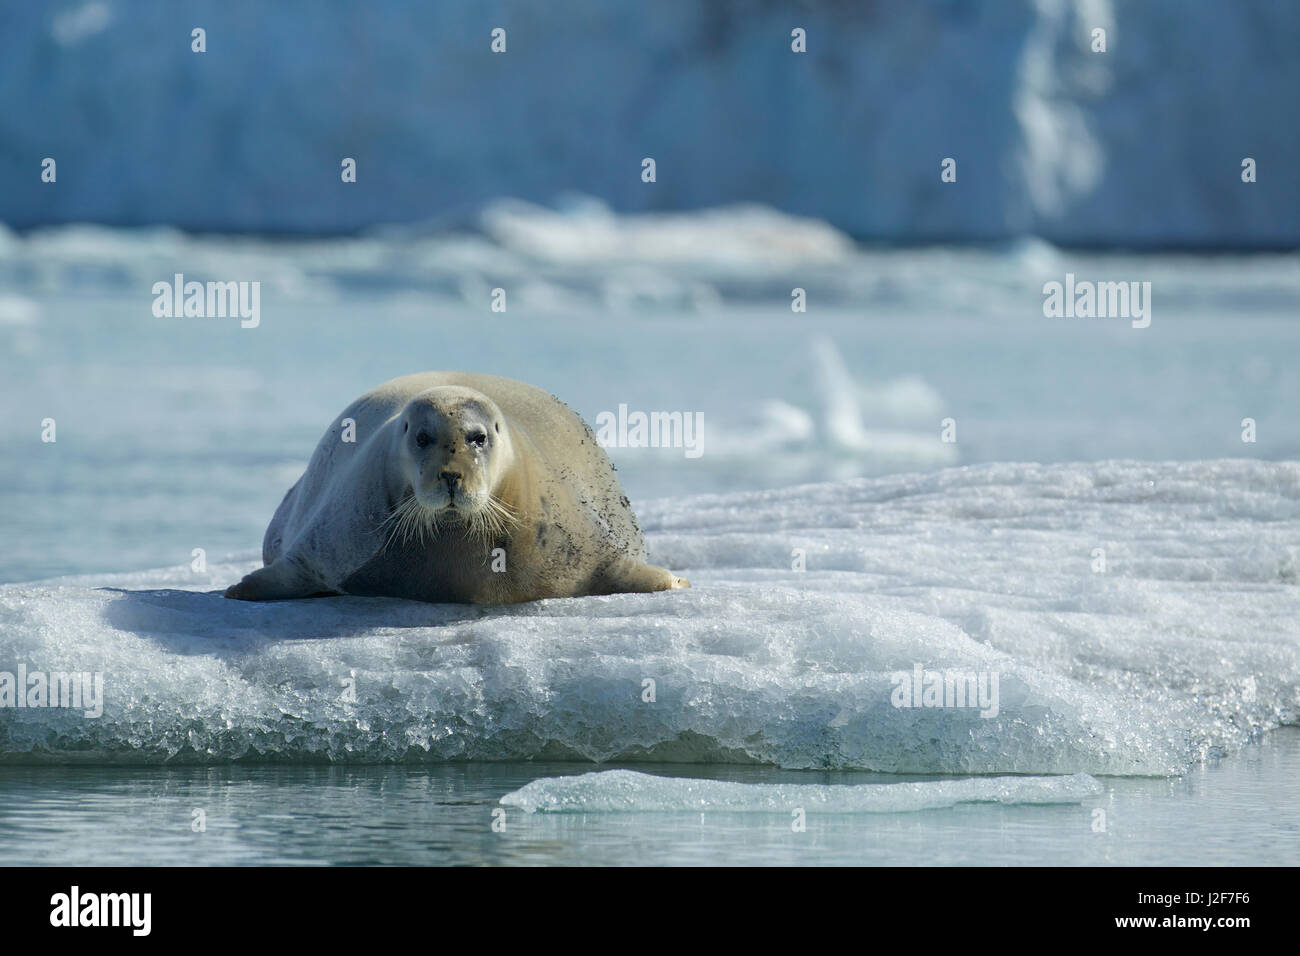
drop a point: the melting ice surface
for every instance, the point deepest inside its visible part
(1186, 645)
(614, 791)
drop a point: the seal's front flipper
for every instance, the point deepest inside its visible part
(637, 577)
(278, 581)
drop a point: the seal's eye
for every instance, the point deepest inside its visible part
(478, 439)
(422, 438)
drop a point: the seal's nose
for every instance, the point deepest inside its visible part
(452, 478)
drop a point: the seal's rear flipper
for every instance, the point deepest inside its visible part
(636, 577)
(278, 581)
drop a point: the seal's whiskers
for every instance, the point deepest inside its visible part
(409, 520)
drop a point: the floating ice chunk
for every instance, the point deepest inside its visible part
(1138, 616)
(626, 791)
(588, 231)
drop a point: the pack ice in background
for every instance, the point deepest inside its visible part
(993, 518)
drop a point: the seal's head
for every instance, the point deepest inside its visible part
(454, 449)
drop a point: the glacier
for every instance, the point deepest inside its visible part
(1140, 145)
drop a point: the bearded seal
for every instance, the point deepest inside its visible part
(455, 487)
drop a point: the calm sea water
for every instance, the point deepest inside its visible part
(176, 434)
(1237, 811)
